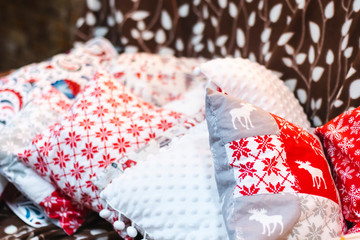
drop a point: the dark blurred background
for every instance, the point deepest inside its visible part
(31, 31)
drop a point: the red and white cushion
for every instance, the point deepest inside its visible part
(340, 137)
(105, 124)
(270, 171)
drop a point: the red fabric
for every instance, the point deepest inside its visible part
(341, 138)
(60, 207)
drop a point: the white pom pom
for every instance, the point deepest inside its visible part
(119, 225)
(131, 231)
(105, 213)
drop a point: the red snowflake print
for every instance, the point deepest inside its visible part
(91, 185)
(89, 151)
(97, 92)
(275, 188)
(57, 132)
(264, 143)
(54, 177)
(61, 159)
(46, 148)
(146, 117)
(121, 145)
(175, 115)
(84, 104)
(135, 130)
(86, 199)
(248, 191)
(127, 114)
(72, 139)
(25, 156)
(116, 121)
(100, 111)
(125, 98)
(41, 166)
(69, 189)
(37, 138)
(245, 169)
(270, 166)
(86, 123)
(103, 134)
(110, 85)
(106, 161)
(113, 102)
(77, 171)
(164, 125)
(240, 148)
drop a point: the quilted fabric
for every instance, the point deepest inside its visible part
(340, 137)
(172, 195)
(106, 123)
(158, 79)
(271, 174)
(255, 84)
(35, 117)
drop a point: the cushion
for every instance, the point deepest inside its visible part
(340, 137)
(35, 117)
(253, 83)
(158, 79)
(272, 175)
(106, 123)
(172, 194)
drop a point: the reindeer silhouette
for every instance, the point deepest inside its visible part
(316, 174)
(242, 112)
(266, 220)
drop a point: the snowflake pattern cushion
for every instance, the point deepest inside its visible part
(340, 137)
(271, 174)
(253, 83)
(105, 124)
(158, 79)
(33, 118)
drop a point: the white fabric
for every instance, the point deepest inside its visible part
(253, 83)
(172, 195)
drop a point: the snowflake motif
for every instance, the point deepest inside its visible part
(346, 144)
(270, 166)
(240, 148)
(86, 123)
(72, 139)
(264, 143)
(346, 174)
(61, 159)
(77, 171)
(321, 208)
(107, 160)
(121, 145)
(46, 148)
(116, 121)
(63, 105)
(97, 92)
(164, 125)
(91, 185)
(49, 201)
(245, 191)
(41, 165)
(278, 188)
(125, 98)
(89, 151)
(113, 102)
(127, 114)
(110, 85)
(69, 189)
(25, 156)
(103, 134)
(353, 195)
(245, 169)
(175, 115)
(135, 130)
(314, 232)
(84, 104)
(334, 132)
(100, 111)
(146, 117)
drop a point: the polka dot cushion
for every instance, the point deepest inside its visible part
(172, 195)
(252, 82)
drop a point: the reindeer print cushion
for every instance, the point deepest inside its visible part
(340, 137)
(252, 82)
(271, 174)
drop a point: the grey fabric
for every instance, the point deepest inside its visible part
(263, 216)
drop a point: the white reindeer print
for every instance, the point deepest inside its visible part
(266, 220)
(242, 113)
(316, 174)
